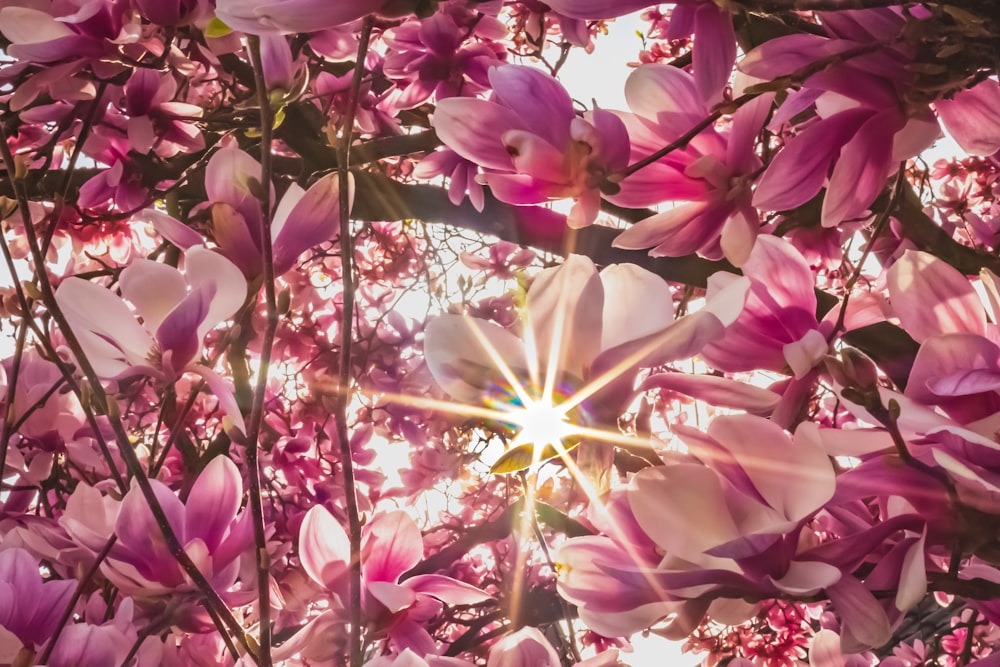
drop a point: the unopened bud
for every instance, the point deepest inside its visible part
(860, 370)
(284, 301)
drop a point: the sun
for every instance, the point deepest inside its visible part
(541, 423)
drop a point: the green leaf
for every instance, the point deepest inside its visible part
(522, 457)
(216, 28)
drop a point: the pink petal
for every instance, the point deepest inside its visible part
(141, 537)
(539, 100)
(596, 9)
(392, 545)
(667, 97)
(462, 353)
(178, 335)
(222, 389)
(206, 269)
(912, 576)
(795, 478)
(713, 25)
(564, 307)
(683, 509)
(235, 238)
(532, 154)
(798, 171)
(213, 502)
(862, 614)
(717, 391)
(824, 651)
(637, 303)
(805, 578)
(394, 598)
(104, 325)
(972, 117)
(931, 297)
(315, 218)
(324, 548)
(460, 124)
(153, 288)
(447, 590)
(675, 232)
(861, 171)
(171, 229)
(257, 17)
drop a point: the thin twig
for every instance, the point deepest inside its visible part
(252, 447)
(346, 337)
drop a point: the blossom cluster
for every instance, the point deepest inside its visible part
(342, 333)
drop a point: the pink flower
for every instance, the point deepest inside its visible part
(154, 118)
(391, 545)
(534, 147)
(302, 218)
(711, 176)
(580, 324)
(72, 29)
(209, 526)
(177, 310)
(777, 328)
(436, 56)
(29, 607)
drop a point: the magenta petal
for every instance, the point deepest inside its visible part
(178, 335)
(213, 502)
(392, 545)
(861, 171)
(862, 614)
(171, 229)
(972, 117)
(540, 101)
(713, 25)
(222, 389)
(324, 548)
(314, 219)
(460, 124)
(448, 590)
(141, 541)
(797, 172)
(596, 9)
(953, 365)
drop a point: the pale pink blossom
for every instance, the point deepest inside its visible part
(535, 147)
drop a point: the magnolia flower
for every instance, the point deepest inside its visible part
(530, 143)
(209, 525)
(79, 29)
(177, 309)
(391, 545)
(301, 220)
(154, 119)
(580, 327)
(867, 118)
(711, 176)
(29, 606)
(777, 328)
